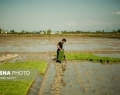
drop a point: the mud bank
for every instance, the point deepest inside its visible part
(7, 57)
(58, 80)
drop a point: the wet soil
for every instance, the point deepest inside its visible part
(49, 44)
(81, 77)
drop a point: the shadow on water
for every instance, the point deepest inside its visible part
(35, 87)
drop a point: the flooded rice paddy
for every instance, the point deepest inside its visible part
(85, 78)
(50, 44)
(81, 77)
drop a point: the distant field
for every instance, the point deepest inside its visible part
(90, 34)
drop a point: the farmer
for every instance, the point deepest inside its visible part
(60, 47)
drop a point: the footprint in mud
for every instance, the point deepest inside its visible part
(83, 83)
(85, 89)
(100, 79)
(114, 78)
(89, 81)
(78, 81)
(71, 85)
(95, 91)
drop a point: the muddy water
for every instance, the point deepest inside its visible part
(86, 78)
(49, 44)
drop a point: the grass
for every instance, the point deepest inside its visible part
(20, 87)
(90, 57)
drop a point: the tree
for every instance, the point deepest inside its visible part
(119, 30)
(48, 31)
(78, 31)
(64, 31)
(0, 30)
(12, 31)
(22, 31)
(40, 32)
(114, 30)
(57, 32)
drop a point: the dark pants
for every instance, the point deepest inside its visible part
(57, 56)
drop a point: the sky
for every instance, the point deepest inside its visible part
(60, 15)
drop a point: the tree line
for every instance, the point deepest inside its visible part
(49, 32)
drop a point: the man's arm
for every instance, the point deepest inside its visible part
(59, 47)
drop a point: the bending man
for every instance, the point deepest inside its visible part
(60, 47)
